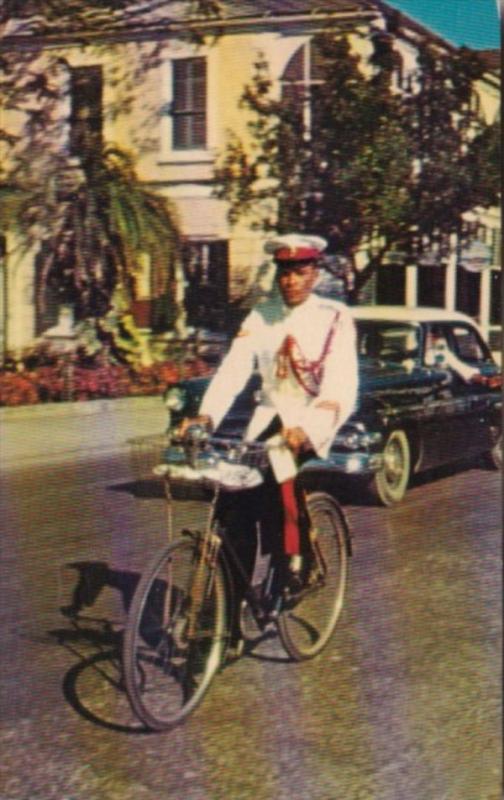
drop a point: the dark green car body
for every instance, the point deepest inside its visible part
(416, 415)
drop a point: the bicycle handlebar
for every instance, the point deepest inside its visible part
(233, 464)
(198, 437)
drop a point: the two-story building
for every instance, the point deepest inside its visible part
(166, 86)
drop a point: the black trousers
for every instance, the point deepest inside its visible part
(254, 518)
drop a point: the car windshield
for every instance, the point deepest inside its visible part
(462, 340)
(388, 341)
(468, 345)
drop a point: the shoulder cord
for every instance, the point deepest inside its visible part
(301, 364)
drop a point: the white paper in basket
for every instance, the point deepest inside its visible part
(232, 476)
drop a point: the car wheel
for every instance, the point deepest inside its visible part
(389, 484)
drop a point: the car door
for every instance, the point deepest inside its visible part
(461, 412)
(441, 423)
(482, 404)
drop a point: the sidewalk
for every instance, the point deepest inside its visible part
(65, 431)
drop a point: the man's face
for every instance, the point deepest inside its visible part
(296, 282)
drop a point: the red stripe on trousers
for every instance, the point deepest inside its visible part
(291, 518)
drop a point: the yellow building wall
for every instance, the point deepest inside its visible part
(137, 85)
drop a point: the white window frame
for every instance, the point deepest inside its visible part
(205, 154)
(306, 82)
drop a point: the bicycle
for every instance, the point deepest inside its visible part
(177, 631)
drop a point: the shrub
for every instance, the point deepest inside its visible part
(84, 379)
(100, 382)
(49, 382)
(17, 390)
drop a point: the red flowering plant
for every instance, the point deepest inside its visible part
(79, 377)
(98, 365)
(16, 390)
(106, 381)
(49, 382)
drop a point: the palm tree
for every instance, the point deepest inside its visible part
(95, 225)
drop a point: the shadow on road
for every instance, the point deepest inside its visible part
(107, 665)
(446, 471)
(148, 488)
(94, 686)
(354, 491)
(347, 490)
(268, 648)
(92, 578)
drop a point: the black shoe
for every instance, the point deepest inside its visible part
(292, 576)
(294, 582)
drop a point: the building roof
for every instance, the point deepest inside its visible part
(491, 59)
(162, 17)
(150, 11)
(145, 15)
(276, 8)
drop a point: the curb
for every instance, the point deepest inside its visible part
(60, 457)
(80, 408)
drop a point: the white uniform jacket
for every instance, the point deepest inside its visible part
(307, 358)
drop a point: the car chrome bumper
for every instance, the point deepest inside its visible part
(347, 463)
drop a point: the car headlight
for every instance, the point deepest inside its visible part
(352, 440)
(372, 438)
(175, 398)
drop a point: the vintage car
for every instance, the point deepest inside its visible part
(421, 404)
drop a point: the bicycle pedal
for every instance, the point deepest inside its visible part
(293, 592)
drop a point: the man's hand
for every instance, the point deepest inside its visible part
(296, 439)
(203, 420)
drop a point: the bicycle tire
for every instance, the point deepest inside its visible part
(167, 667)
(307, 620)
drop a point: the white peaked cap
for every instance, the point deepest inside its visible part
(295, 246)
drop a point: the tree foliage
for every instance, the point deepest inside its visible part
(44, 16)
(383, 164)
(93, 229)
(91, 219)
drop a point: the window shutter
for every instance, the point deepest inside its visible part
(86, 116)
(189, 103)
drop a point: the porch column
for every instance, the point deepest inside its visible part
(484, 309)
(3, 298)
(411, 285)
(451, 275)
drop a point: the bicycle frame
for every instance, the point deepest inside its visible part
(214, 546)
(178, 629)
(200, 454)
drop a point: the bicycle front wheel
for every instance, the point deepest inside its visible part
(309, 617)
(175, 635)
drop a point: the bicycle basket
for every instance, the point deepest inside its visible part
(232, 465)
(146, 453)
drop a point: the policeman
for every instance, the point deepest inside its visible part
(304, 348)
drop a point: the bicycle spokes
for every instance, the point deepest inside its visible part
(309, 615)
(175, 637)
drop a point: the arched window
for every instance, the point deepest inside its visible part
(299, 79)
(305, 74)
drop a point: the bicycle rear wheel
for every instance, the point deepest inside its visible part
(175, 635)
(308, 618)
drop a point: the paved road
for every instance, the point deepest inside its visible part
(403, 705)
